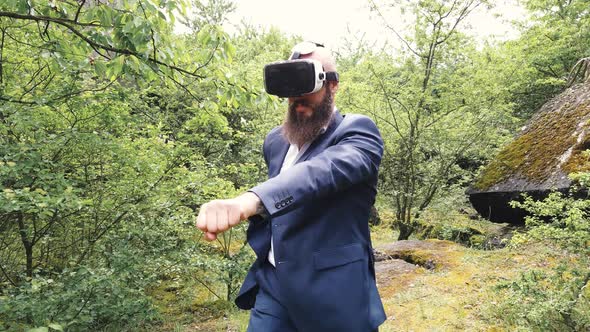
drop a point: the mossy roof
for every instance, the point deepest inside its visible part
(546, 151)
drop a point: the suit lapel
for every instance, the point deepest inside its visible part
(278, 151)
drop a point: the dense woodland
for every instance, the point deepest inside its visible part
(114, 130)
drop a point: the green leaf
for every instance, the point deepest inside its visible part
(100, 68)
(138, 21)
(57, 327)
(39, 329)
(105, 16)
(22, 6)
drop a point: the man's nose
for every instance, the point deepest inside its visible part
(294, 99)
(305, 99)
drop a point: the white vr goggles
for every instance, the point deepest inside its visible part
(297, 77)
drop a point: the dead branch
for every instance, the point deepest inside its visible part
(580, 70)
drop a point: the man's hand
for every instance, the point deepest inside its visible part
(220, 215)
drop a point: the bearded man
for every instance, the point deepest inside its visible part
(308, 223)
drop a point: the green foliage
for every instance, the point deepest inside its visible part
(209, 12)
(103, 39)
(560, 219)
(79, 299)
(226, 263)
(555, 299)
(111, 137)
(553, 40)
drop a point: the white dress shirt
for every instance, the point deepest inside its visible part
(293, 154)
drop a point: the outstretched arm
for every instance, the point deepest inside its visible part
(218, 216)
(353, 159)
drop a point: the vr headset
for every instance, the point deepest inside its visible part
(297, 77)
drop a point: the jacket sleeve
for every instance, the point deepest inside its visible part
(353, 159)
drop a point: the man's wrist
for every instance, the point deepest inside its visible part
(261, 210)
(251, 205)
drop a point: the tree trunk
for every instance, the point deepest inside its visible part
(405, 230)
(28, 245)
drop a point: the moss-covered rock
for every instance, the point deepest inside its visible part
(548, 149)
(460, 293)
(463, 229)
(431, 254)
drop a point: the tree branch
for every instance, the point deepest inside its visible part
(402, 39)
(7, 276)
(81, 5)
(68, 24)
(3, 30)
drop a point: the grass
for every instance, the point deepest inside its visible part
(459, 296)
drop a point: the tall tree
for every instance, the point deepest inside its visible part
(432, 117)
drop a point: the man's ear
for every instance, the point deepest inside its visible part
(333, 86)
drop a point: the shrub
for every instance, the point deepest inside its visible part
(80, 299)
(557, 299)
(554, 300)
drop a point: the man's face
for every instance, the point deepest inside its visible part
(307, 115)
(305, 105)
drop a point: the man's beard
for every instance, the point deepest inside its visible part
(300, 129)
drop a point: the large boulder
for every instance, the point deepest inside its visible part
(540, 159)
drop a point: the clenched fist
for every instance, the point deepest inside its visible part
(220, 215)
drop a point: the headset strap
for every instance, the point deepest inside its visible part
(332, 76)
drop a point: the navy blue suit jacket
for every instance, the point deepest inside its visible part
(318, 216)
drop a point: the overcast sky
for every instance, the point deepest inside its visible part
(329, 21)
